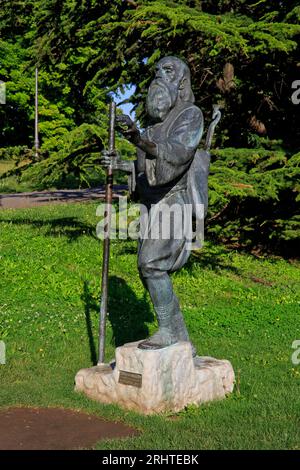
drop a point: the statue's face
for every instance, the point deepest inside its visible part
(163, 91)
(166, 70)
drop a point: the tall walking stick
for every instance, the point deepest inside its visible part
(106, 241)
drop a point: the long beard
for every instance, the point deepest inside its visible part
(161, 99)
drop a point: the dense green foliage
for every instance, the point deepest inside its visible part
(236, 307)
(254, 198)
(244, 56)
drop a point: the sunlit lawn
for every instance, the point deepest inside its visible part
(236, 306)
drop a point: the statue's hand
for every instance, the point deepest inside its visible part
(108, 159)
(113, 160)
(127, 127)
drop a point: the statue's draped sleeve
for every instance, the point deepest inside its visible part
(175, 147)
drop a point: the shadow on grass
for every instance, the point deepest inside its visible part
(128, 247)
(128, 315)
(216, 259)
(70, 227)
(89, 304)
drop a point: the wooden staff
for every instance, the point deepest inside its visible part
(106, 241)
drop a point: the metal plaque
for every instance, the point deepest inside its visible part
(130, 378)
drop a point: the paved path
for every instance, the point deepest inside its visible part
(39, 198)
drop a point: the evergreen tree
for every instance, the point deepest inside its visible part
(245, 56)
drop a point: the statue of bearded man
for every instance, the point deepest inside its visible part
(165, 155)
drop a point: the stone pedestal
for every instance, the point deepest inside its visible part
(159, 380)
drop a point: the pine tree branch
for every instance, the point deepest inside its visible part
(219, 213)
(132, 3)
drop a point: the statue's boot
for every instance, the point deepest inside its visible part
(165, 335)
(179, 327)
(170, 320)
(171, 328)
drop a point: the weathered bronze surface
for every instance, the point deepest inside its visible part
(169, 171)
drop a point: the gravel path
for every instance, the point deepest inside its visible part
(38, 198)
(56, 429)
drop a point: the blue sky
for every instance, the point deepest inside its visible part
(126, 108)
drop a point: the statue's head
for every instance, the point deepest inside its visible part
(172, 84)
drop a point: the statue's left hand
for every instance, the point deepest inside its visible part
(127, 127)
(113, 160)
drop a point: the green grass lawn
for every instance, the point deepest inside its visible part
(236, 307)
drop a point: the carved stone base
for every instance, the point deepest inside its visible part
(159, 380)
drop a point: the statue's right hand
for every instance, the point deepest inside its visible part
(128, 128)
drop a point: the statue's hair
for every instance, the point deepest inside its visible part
(186, 93)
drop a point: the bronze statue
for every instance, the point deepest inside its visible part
(169, 170)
